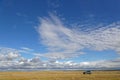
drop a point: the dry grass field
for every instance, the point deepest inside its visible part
(60, 75)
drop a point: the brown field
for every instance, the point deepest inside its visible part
(60, 75)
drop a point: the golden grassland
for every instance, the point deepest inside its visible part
(60, 75)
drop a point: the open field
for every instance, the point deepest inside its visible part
(60, 75)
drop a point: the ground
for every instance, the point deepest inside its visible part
(60, 75)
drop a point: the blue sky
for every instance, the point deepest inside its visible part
(60, 32)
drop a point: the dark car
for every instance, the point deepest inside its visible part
(87, 72)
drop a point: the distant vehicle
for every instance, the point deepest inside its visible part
(87, 72)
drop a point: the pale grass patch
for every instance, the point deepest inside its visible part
(60, 75)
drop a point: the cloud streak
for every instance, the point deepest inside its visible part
(63, 42)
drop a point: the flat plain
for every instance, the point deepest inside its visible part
(59, 75)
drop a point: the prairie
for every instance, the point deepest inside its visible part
(59, 75)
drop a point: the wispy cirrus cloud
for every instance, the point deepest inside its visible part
(65, 42)
(26, 50)
(21, 15)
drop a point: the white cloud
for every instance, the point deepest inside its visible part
(10, 59)
(103, 64)
(63, 42)
(8, 54)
